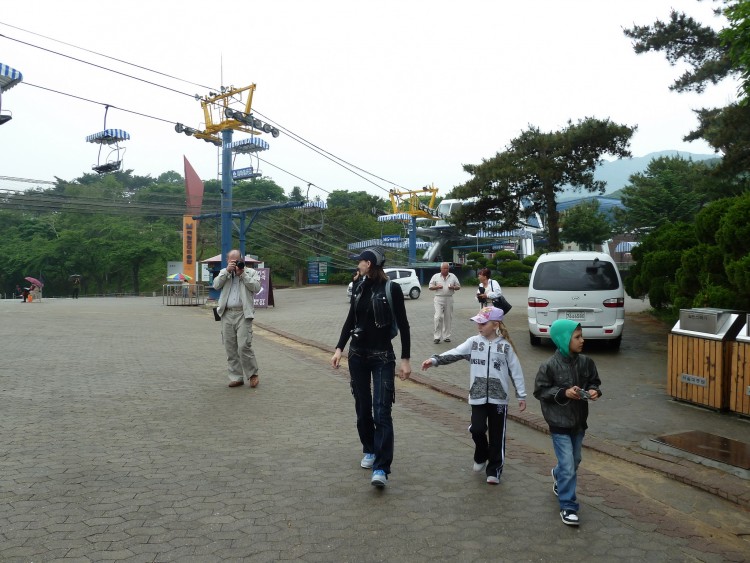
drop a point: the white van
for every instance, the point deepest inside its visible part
(580, 286)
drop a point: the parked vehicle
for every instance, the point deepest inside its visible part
(405, 277)
(581, 286)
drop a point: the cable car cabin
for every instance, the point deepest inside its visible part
(111, 138)
(252, 147)
(9, 77)
(312, 216)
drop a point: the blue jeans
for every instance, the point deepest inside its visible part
(568, 452)
(373, 404)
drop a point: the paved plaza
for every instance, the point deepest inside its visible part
(120, 440)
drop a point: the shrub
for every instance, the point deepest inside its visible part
(503, 255)
(340, 278)
(516, 279)
(512, 266)
(715, 296)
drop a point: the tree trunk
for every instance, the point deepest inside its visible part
(136, 286)
(553, 224)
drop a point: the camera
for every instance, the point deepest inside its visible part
(356, 333)
(583, 395)
(240, 264)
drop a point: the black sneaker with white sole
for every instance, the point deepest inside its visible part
(554, 482)
(569, 517)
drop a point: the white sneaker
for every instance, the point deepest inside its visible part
(492, 480)
(379, 478)
(367, 461)
(569, 517)
(479, 466)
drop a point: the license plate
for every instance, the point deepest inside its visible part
(575, 315)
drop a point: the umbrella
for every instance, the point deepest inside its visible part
(35, 281)
(179, 277)
(72, 276)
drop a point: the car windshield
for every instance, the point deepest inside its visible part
(576, 275)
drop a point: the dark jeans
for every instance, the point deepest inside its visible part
(493, 418)
(373, 403)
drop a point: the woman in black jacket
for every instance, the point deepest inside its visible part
(372, 360)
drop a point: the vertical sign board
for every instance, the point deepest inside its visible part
(317, 269)
(261, 298)
(173, 267)
(323, 272)
(189, 243)
(204, 274)
(313, 273)
(194, 200)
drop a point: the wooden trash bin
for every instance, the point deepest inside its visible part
(739, 365)
(699, 356)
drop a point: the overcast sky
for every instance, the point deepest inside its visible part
(407, 90)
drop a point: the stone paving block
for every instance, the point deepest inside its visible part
(197, 471)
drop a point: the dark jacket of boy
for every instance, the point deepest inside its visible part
(560, 372)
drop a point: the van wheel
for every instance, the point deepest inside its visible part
(535, 340)
(615, 344)
(414, 293)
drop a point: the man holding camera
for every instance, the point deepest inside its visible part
(238, 285)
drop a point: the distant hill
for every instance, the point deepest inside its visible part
(617, 172)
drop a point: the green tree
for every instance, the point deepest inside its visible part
(360, 201)
(585, 225)
(736, 39)
(658, 258)
(535, 167)
(701, 264)
(671, 189)
(258, 191)
(710, 56)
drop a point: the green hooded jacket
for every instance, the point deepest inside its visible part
(561, 332)
(560, 372)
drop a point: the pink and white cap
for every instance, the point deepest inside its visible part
(488, 314)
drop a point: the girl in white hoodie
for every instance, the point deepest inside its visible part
(494, 366)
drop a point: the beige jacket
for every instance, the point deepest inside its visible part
(249, 286)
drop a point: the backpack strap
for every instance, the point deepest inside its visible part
(389, 297)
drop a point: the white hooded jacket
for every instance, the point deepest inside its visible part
(494, 367)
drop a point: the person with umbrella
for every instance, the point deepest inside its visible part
(36, 288)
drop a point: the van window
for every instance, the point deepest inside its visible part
(576, 275)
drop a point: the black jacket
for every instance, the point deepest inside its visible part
(361, 316)
(563, 415)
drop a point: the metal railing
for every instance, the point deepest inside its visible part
(188, 294)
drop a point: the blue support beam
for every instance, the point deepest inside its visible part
(226, 195)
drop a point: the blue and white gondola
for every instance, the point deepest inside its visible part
(108, 137)
(9, 77)
(253, 144)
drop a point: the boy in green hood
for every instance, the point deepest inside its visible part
(564, 384)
